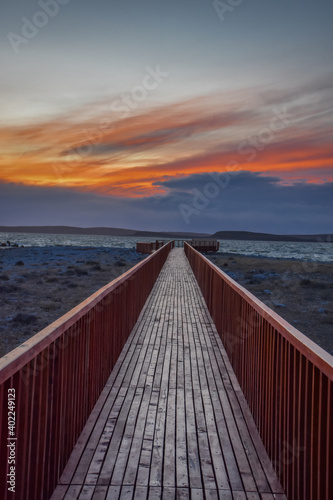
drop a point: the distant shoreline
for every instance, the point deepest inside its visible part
(220, 235)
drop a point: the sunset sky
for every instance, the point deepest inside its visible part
(192, 115)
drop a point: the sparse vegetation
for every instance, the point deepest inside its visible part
(97, 267)
(71, 284)
(8, 288)
(49, 306)
(320, 285)
(305, 282)
(81, 272)
(120, 263)
(31, 276)
(25, 319)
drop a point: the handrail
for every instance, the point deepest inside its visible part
(286, 378)
(58, 375)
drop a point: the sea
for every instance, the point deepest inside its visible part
(312, 251)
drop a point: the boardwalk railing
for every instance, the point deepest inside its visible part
(149, 246)
(53, 380)
(286, 378)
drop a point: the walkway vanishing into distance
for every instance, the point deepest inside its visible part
(172, 421)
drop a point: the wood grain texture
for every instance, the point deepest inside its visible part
(172, 421)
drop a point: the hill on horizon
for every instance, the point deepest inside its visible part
(252, 236)
(219, 235)
(99, 231)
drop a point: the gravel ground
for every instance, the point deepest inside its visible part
(39, 285)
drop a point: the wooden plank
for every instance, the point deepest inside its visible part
(239, 495)
(140, 493)
(73, 492)
(87, 492)
(151, 416)
(169, 474)
(111, 457)
(182, 493)
(60, 492)
(93, 445)
(93, 454)
(216, 495)
(113, 492)
(155, 493)
(156, 472)
(182, 479)
(255, 496)
(221, 476)
(169, 494)
(193, 454)
(137, 442)
(144, 463)
(127, 438)
(198, 494)
(207, 471)
(126, 493)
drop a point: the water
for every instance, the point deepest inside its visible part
(317, 252)
(71, 240)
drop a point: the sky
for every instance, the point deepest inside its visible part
(187, 115)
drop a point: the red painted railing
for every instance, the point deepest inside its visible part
(149, 246)
(286, 378)
(53, 380)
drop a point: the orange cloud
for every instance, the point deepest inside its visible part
(128, 157)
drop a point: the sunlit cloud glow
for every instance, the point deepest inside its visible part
(126, 157)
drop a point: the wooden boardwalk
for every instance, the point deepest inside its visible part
(172, 421)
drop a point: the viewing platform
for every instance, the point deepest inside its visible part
(171, 382)
(201, 245)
